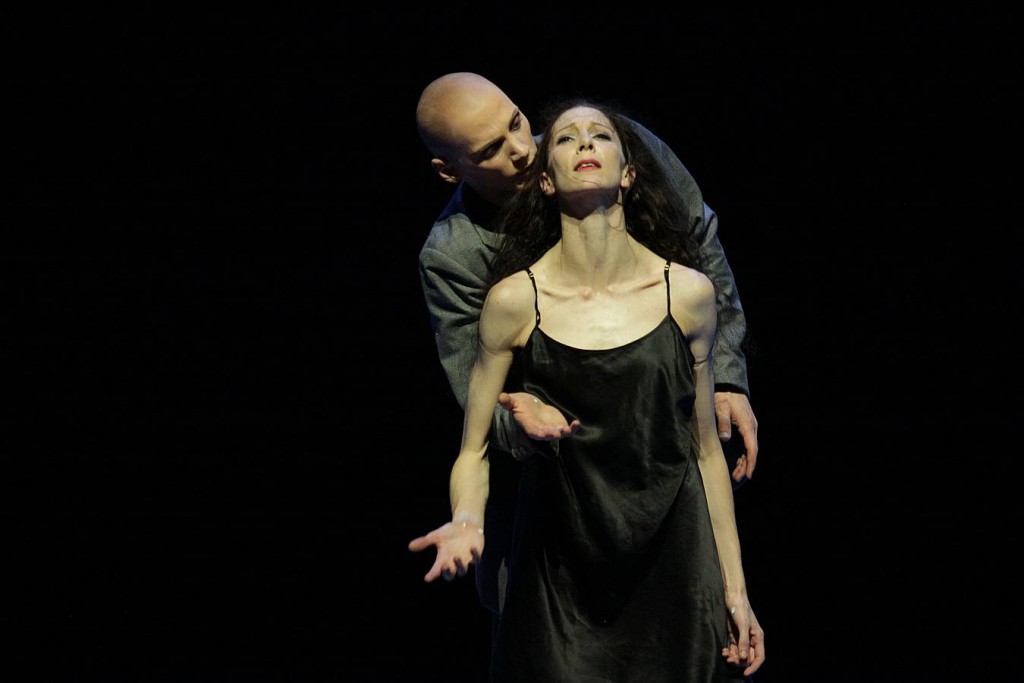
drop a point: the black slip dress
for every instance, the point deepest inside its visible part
(614, 573)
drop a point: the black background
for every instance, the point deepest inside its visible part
(225, 413)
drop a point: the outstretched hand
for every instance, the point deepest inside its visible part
(459, 544)
(537, 419)
(733, 408)
(746, 639)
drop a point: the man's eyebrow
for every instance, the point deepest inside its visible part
(487, 145)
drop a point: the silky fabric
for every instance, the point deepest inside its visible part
(614, 574)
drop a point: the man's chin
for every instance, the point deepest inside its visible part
(521, 182)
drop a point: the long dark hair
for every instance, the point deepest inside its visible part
(655, 215)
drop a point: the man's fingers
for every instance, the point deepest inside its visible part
(750, 447)
(740, 470)
(724, 424)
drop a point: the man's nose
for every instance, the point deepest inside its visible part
(520, 149)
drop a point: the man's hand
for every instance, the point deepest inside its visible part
(537, 419)
(734, 409)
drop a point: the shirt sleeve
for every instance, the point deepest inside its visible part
(454, 294)
(729, 360)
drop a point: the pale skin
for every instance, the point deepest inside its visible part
(481, 137)
(601, 289)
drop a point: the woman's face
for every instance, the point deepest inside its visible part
(585, 154)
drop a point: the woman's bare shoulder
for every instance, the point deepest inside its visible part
(690, 284)
(508, 313)
(693, 301)
(511, 292)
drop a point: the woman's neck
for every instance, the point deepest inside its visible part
(596, 250)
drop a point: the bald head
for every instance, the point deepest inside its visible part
(449, 106)
(475, 133)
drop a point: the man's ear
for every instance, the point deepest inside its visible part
(445, 170)
(546, 186)
(628, 175)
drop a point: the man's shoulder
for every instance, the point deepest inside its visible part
(447, 225)
(452, 221)
(456, 235)
(452, 236)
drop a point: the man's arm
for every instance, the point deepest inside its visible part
(453, 295)
(729, 363)
(732, 392)
(453, 267)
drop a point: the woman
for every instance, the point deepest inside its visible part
(626, 563)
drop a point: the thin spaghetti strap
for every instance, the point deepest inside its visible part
(536, 305)
(668, 288)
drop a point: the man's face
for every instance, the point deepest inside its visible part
(492, 145)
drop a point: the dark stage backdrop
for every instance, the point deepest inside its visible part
(225, 415)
